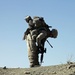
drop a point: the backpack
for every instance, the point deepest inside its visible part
(38, 21)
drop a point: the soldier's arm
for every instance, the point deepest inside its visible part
(26, 33)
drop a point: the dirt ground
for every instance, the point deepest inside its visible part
(62, 69)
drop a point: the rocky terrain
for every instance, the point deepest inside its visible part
(62, 69)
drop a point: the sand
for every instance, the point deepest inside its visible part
(62, 69)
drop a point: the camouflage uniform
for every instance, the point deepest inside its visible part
(32, 51)
(31, 44)
(36, 35)
(41, 29)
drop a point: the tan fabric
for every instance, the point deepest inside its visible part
(32, 51)
(41, 36)
(34, 34)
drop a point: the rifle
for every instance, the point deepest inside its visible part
(49, 44)
(42, 55)
(42, 50)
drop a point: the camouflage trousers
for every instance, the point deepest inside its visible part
(32, 51)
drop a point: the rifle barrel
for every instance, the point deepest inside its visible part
(49, 44)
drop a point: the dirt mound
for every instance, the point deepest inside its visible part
(63, 69)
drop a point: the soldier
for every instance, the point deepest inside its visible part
(43, 33)
(31, 44)
(43, 30)
(36, 35)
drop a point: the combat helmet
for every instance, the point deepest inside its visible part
(54, 33)
(27, 18)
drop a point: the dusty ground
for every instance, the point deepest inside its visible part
(63, 69)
